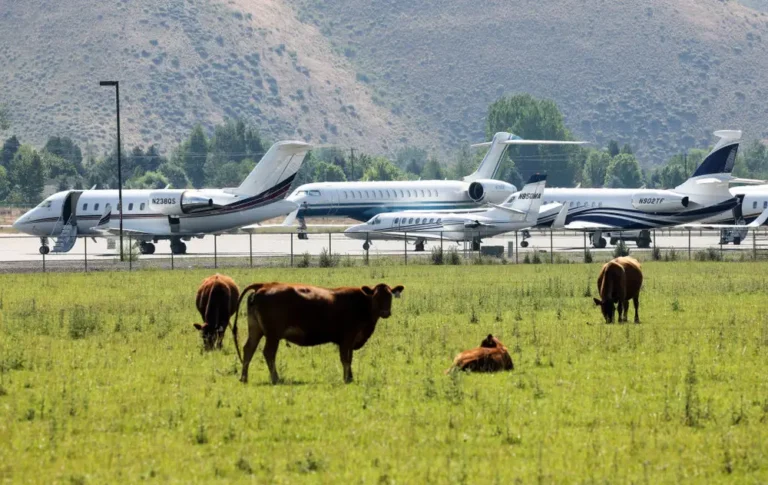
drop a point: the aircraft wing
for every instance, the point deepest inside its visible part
(476, 224)
(255, 228)
(756, 223)
(559, 222)
(587, 226)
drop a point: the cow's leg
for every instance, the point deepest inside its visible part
(270, 351)
(345, 353)
(636, 301)
(254, 337)
(623, 310)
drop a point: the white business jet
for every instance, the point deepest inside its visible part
(611, 211)
(174, 214)
(519, 211)
(363, 200)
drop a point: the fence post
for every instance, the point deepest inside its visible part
(517, 248)
(172, 265)
(551, 248)
(43, 254)
(367, 239)
(689, 244)
(441, 242)
(330, 251)
(721, 248)
(85, 252)
(250, 248)
(130, 254)
(291, 250)
(215, 251)
(405, 241)
(585, 246)
(754, 245)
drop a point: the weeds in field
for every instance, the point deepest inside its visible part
(328, 260)
(304, 261)
(656, 253)
(709, 254)
(588, 256)
(670, 255)
(437, 255)
(621, 249)
(82, 323)
(452, 257)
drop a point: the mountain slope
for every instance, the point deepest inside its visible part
(181, 62)
(659, 74)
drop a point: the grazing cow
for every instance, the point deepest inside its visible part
(491, 356)
(217, 300)
(308, 315)
(620, 280)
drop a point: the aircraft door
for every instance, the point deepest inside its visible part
(69, 207)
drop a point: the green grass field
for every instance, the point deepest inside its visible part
(102, 380)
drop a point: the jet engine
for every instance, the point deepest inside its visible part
(659, 201)
(180, 202)
(493, 191)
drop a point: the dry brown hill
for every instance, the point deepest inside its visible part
(181, 62)
(659, 74)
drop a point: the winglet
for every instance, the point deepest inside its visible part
(105, 217)
(760, 220)
(559, 222)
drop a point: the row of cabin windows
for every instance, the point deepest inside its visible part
(578, 204)
(418, 220)
(765, 204)
(389, 194)
(130, 206)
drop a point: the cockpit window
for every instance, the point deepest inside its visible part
(45, 203)
(314, 193)
(397, 219)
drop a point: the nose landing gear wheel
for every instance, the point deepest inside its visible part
(366, 246)
(524, 244)
(44, 250)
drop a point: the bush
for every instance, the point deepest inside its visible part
(437, 256)
(620, 250)
(328, 260)
(453, 257)
(82, 323)
(536, 258)
(671, 255)
(527, 259)
(588, 256)
(304, 261)
(709, 254)
(656, 253)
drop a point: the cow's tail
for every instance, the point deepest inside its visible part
(254, 287)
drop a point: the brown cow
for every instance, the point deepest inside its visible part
(491, 356)
(620, 280)
(217, 300)
(309, 315)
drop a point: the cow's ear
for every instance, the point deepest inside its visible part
(597, 302)
(367, 290)
(397, 290)
(198, 326)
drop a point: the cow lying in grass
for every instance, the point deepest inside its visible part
(491, 356)
(309, 315)
(619, 281)
(217, 300)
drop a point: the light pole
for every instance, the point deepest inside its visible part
(116, 84)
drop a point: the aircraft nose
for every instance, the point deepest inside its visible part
(355, 230)
(19, 222)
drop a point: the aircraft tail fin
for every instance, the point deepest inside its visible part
(528, 200)
(723, 155)
(489, 167)
(276, 169)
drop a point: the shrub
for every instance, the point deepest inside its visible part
(527, 259)
(656, 253)
(536, 258)
(437, 256)
(453, 257)
(709, 254)
(621, 249)
(588, 256)
(671, 255)
(304, 260)
(328, 260)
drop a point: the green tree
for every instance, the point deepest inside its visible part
(464, 163)
(531, 118)
(411, 159)
(175, 175)
(27, 174)
(150, 180)
(194, 154)
(328, 172)
(56, 166)
(5, 118)
(613, 148)
(5, 183)
(382, 169)
(10, 147)
(626, 149)
(595, 168)
(753, 162)
(433, 170)
(64, 148)
(623, 171)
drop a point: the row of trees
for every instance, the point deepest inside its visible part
(224, 157)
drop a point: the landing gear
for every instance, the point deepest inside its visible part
(366, 246)
(178, 247)
(420, 246)
(526, 234)
(146, 248)
(476, 244)
(303, 236)
(598, 240)
(524, 244)
(44, 248)
(601, 243)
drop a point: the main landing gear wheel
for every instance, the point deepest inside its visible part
(44, 250)
(366, 246)
(303, 236)
(524, 244)
(644, 243)
(601, 243)
(178, 248)
(146, 248)
(419, 247)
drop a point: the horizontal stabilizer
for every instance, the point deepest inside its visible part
(752, 225)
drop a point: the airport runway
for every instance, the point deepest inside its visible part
(20, 253)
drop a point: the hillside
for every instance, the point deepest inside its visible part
(660, 74)
(181, 62)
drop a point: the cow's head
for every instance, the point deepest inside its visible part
(382, 298)
(491, 342)
(608, 308)
(211, 335)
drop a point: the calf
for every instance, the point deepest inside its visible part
(217, 300)
(619, 281)
(491, 356)
(309, 315)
